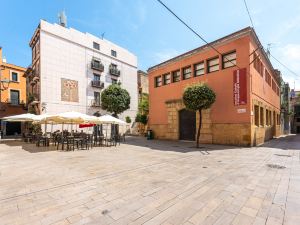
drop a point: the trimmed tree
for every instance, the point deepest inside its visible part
(196, 98)
(115, 99)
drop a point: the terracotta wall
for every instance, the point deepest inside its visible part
(223, 110)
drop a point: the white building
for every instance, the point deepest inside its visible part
(70, 69)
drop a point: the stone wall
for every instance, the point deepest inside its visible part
(232, 134)
(171, 130)
(245, 134)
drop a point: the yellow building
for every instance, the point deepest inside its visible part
(12, 94)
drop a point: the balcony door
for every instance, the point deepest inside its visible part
(14, 97)
(97, 98)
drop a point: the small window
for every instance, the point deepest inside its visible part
(113, 53)
(199, 69)
(261, 116)
(213, 65)
(256, 115)
(298, 120)
(96, 46)
(187, 73)
(158, 81)
(167, 78)
(176, 76)
(229, 60)
(267, 117)
(96, 77)
(14, 76)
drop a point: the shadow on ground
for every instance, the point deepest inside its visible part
(288, 142)
(175, 146)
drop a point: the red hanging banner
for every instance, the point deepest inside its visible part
(240, 87)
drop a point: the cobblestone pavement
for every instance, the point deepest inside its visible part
(151, 182)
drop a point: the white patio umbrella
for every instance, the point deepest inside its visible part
(27, 117)
(74, 118)
(45, 118)
(110, 119)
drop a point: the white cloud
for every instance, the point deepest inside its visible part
(289, 55)
(286, 27)
(165, 55)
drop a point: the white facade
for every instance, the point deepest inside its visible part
(67, 53)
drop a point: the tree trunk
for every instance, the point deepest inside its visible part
(199, 127)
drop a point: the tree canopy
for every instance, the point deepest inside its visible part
(198, 96)
(115, 99)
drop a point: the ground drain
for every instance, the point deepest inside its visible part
(204, 167)
(283, 155)
(275, 166)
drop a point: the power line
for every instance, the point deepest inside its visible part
(191, 29)
(291, 71)
(266, 50)
(248, 13)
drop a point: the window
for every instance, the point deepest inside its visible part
(97, 98)
(167, 78)
(213, 65)
(96, 77)
(298, 120)
(229, 60)
(256, 115)
(97, 65)
(258, 64)
(270, 117)
(187, 73)
(157, 81)
(176, 76)
(14, 76)
(261, 116)
(113, 53)
(268, 77)
(199, 69)
(14, 97)
(96, 46)
(267, 117)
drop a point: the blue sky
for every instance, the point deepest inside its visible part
(149, 31)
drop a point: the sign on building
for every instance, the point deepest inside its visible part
(69, 90)
(240, 87)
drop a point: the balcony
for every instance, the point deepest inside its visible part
(114, 71)
(95, 103)
(97, 84)
(97, 65)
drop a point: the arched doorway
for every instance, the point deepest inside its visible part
(187, 125)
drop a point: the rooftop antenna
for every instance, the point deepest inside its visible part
(102, 35)
(62, 18)
(269, 48)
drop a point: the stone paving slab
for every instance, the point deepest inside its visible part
(151, 182)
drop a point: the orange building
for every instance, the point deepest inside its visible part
(247, 107)
(12, 94)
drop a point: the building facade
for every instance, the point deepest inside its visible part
(285, 108)
(143, 83)
(70, 69)
(247, 107)
(295, 111)
(12, 95)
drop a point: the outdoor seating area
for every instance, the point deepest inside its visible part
(94, 131)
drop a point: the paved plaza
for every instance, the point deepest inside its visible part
(151, 182)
